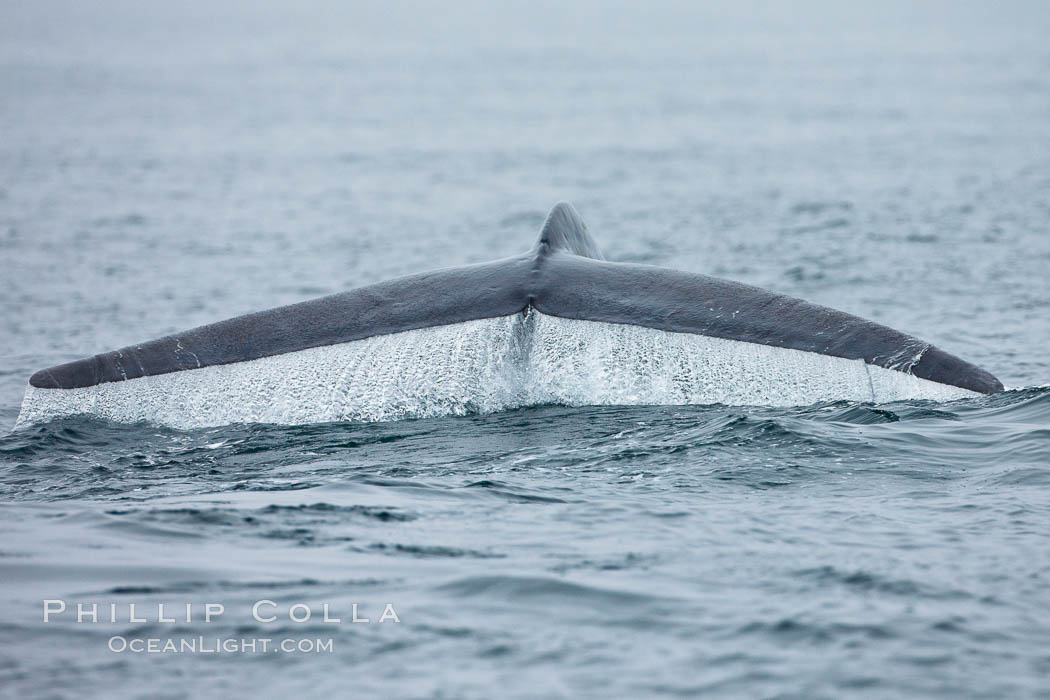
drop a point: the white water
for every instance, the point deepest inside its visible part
(485, 366)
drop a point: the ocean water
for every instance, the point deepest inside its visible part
(164, 166)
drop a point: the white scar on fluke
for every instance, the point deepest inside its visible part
(538, 329)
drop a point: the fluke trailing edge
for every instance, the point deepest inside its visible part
(562, 279)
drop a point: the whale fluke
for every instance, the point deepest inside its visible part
(720, 341)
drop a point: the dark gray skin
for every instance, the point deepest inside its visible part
(564, 275)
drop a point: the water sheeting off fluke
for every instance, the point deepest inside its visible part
(485, 366)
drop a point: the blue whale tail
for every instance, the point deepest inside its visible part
(565, 276)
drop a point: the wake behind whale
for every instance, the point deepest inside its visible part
(557, 324)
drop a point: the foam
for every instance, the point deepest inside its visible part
(485, 366)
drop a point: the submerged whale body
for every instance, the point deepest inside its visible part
(557, 324)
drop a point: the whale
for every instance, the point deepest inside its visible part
(558, 324)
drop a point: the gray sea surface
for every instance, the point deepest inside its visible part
(165, 165)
